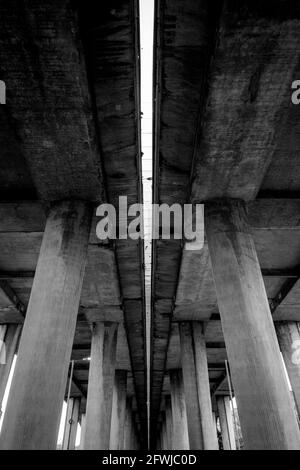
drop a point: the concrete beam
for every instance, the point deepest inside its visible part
(58, 133)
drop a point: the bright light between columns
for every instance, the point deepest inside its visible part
(146, 28)
(7, 390)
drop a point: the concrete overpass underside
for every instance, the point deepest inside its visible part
(226, 134)
(225, 317)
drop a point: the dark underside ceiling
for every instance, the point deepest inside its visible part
(225, 127)
(71, 130)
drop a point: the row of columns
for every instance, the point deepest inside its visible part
(266, 409)
(122, 431)
(175, 431)
(33, 410)
(108, 413)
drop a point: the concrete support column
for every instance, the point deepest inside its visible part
(288, 334)
(202, 433)
(209, 431)
(169, 423)
(190, 386)
(164, 434)
(82, 435)
(11, 339)
(226, 423)
(71, 424)
(265, 407)
(118, 411)
(3, 329)
(128, 425)
(215, 427)
(33, 412)
(100, 388)
(133, 437)
(180, 426)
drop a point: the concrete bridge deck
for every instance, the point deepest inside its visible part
(73, 307)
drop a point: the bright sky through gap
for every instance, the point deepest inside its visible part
(5, 398)
(146, 35)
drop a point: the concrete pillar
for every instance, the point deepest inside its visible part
(133, 437)
(12, 336)
(265, 407)
(3, 329)
(214, 417)
(100, 387)
(169, 423)
(164, 434)
(118, 411)
(226, 423)
(82, 434)
(159, 438)
(128, 425)
(71, 424)
(288, 334)
(190, 386)
(135, 432)
(180, 426)
(209, 430)
(34, 407)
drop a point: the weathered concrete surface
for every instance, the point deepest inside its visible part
(111, 45)
(193, 410)
(169, 422)
(237, 124)
(266, 411)
(100, 389)
(71, 129)
(202, 377)
(180, 425)
(47, 81)
(248, 105)
(33, 410)
(185, 40)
